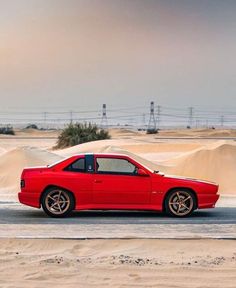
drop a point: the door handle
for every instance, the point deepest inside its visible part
(98, 181)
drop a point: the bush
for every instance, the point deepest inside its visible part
(8, 130)
(78, 133)
(152, 131)
(32, 126)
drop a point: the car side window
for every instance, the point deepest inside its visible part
(77, 166)
(115, 166)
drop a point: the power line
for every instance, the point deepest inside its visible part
(127, 115)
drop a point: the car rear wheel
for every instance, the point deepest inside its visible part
(57, 202)
(180, 203)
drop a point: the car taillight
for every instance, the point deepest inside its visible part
(22, 183)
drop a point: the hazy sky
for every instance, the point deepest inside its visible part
(82, 53)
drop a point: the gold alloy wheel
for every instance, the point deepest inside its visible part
(181, 203)
(57, 201)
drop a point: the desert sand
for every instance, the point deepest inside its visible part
(117, 263)
(121, 263)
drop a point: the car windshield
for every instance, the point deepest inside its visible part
(152, 167)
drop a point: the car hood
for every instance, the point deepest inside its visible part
(189, 179)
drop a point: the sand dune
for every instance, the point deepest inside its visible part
(13, 162)
(222, 133)
(198, 133)
(37, 132)
(94, 147)
(130, 145)
(194, 133)
(123, 133)
(216, 163)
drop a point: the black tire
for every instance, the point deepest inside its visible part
(57, 202)
(180, 203)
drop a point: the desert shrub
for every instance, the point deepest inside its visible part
(78, 133)
(8, 130)
(31, 126)
(152, 131)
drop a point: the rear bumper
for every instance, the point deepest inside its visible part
(207, 200)
(30, 199)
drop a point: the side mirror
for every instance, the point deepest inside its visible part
(142, 172)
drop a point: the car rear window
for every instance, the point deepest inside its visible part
(77, 166)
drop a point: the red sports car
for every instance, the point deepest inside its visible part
(105, 181)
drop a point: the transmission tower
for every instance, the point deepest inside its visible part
(190, 121)
(152, 121)
(104, 122)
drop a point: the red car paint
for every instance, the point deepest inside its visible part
(93, 190)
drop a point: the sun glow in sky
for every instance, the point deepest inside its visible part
(84, 53)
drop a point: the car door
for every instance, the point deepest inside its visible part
(116, 182)
(77, 177)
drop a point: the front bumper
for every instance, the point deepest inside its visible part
(30, 199)
(207, 200)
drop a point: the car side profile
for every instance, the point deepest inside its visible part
(111, 182)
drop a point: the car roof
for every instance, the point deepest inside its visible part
(84, 154)
(102, 154)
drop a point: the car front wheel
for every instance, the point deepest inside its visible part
(180, 203)
(57, 202)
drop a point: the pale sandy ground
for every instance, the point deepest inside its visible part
(122, 263)
(117, 263)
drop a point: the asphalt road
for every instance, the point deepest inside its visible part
(18, 221)
(19, 214)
